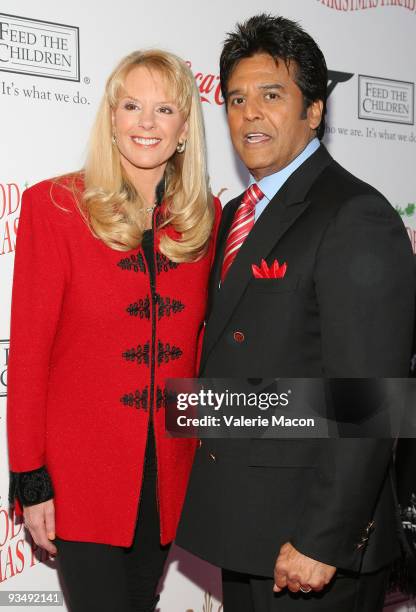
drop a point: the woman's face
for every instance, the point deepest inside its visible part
(147, 123)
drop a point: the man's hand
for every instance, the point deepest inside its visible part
(294, 570)
(40, 520)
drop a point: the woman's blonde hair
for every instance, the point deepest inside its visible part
(110, 203)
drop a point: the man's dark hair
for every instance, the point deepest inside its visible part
(282, 39)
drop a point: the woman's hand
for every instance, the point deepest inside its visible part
(40, 521)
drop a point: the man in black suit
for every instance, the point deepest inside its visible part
(298, 524)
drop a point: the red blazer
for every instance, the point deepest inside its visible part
(80, 367)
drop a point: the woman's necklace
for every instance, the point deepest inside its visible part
(149, 209)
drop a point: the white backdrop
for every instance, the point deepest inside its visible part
(48, 103)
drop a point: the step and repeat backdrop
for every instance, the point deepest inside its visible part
(54, 60)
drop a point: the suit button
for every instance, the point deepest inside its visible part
(199, 443)
(238, 336)
(213, 457)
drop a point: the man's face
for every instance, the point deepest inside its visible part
(266, 117)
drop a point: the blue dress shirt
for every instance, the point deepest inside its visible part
(271, 184)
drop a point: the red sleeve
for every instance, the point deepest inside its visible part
(217, 219)
(38, 288)
(18, 510)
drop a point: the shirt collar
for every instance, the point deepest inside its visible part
(271, 184)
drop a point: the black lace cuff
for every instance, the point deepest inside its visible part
(30, 488)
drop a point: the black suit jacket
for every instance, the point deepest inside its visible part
(344, 309)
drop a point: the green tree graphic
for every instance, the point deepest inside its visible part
(409, 211)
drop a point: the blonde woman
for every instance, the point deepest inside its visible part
(109, 300)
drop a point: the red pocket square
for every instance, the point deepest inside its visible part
(264, 271)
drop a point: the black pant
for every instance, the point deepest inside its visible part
(346, 593)
(104, 578)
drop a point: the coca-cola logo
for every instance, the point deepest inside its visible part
(10, 200)
(209, 86)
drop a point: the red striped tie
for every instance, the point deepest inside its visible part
(240, 228)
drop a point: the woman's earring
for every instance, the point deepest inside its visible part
(181, 146)
(114, 139)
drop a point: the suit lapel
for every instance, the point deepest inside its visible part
(279, 215)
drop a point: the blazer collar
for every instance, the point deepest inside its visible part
(281, 212)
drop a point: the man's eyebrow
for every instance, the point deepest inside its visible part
(272, 86)
(264, 87)
(234, 92)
